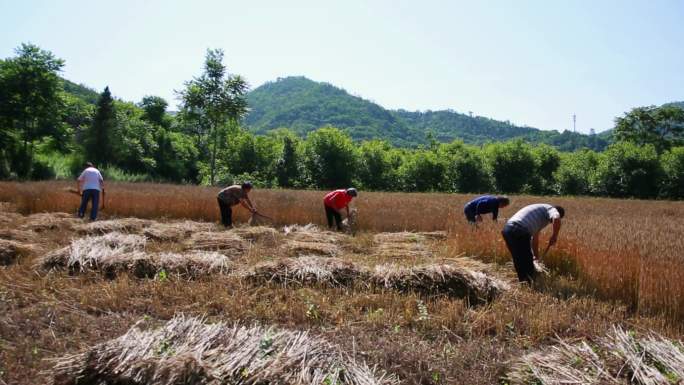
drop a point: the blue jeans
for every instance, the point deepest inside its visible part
(93, 195)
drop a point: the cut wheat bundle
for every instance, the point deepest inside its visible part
(10, 251)
(176, 231)
(312, 233)
(49, 221)
(402, 250)
(437, 279)
(262, 234)
(189, 351)
(307, 270)
(193, 264)
(301, 248)
(619, 357)
(399, 237)
(8, 218)
(18, 235)
(433, 235)
(225, 242)
(91, 251)
(123, 225)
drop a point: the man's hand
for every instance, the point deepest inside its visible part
(478, 218)
(253, 210)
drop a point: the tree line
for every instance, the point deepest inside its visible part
(50, 127)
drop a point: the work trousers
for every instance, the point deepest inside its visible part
(519, 242)
(89, 195)
(331, 214)
(226, 213)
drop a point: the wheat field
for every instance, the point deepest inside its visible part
(403, 295)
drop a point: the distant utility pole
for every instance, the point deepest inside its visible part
(470, 113)
(574, 123)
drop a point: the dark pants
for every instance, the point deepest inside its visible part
(90, 194)
(519, 242)
(470, 214)
(331, 213)
(226, 213)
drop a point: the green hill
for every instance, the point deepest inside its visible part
(304, 105)
(80, 91)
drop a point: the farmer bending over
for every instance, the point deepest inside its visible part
(485, 204)
(334, 202)
(231, 196)
(521, 234)
(89, 184)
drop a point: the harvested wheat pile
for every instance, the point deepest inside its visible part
(193, 264)
(90, 252)
(434, 235)
(401, 250)
(307, 270)
(439, 280)
(400, 237)
(49, 221)
(123, 225)
(9, 252)
(188, 351)
(299, 248)
(176, 231)
(18, 235)
(226, 242)
(10, 218)
(620, 357)
(262, 234)
(312, 233)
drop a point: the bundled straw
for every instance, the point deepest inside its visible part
(192, 265)
(226, 242)
(176, 231)
(308, 270)
(9, 252)
(92, 251)
(9, 218)
(401, 250)
(297, 248)
(262, 234)
(439, 280)
(188, 351)
(648, 360)
(400, 237)
(434, 235)
(311, 233)
(124, 225)
(49, 221)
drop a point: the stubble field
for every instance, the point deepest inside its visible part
(436, 305)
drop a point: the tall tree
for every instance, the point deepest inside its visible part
(155, 110)
(287, 170)
(30, 101)
(214, 102)
(663, 127)
(99, 138)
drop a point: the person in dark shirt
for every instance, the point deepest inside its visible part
(486, 204)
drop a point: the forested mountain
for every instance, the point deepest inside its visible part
(80, 91)
(304, 105)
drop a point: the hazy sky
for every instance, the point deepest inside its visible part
(531, 62)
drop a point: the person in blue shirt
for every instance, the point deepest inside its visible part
(485, 204)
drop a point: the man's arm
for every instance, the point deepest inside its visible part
(248, 205)
(556, 230)
(347, 207)
(535, 245)
(495, 211)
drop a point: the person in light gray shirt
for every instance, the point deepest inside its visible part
(521, 234)
(89, 185)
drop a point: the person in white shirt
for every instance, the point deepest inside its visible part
(89, 185)
(521, 234)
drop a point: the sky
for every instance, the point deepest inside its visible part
(534, 63)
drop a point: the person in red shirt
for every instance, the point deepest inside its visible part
(334, 202)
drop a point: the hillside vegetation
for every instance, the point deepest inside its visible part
(304, 105)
